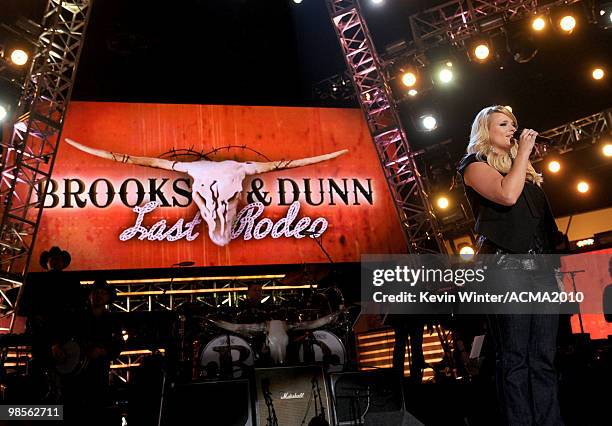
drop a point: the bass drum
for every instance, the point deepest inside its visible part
(215, 357)
(328, 349)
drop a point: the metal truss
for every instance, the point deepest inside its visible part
(458, 21)
(407, 189)
(337, 87)
(587, 130)
(28, 157)
(169, 295)
(120, 367)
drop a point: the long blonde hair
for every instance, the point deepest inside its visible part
(482, 147)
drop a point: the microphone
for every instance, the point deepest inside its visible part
(539, 139)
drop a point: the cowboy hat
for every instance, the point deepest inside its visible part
(54, 251)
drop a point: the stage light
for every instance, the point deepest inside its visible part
(466, 250)
(538, 24)
(554, 166)
(409, 79)
(481, 52)
(19, 57)
(297, 1)
(568, 23)
(413, 92)
(598, 73)
(607, 150)
(377, 1)
(442, 202)
(442, 72)
(582, 187)
(521, 45)
(445, 75)
(605, 15)
(3, 112)
(585, 242)
(429, 122)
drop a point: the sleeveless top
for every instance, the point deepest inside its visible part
(527, 226)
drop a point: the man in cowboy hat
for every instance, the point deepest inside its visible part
(52, 303)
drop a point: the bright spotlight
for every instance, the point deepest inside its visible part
(607, 150)
(582, 187)
(3, 112)
(377, 1)
(409, 79)
(568, 23)
(412, 92)
(466, 250)
(19, 57)
(429, 122)
(598, 73)
(442, 202)
(554, 166)
(538, 24)
(481, 52)
(445, 75)
(297, 1)
(605, 15)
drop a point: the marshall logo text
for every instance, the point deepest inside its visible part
(291, 395)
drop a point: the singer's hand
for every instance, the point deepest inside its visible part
(527, 140)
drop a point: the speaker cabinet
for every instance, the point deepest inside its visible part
(370, 398)
(225, 403)
(294, 395)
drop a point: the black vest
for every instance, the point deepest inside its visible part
(513, 228)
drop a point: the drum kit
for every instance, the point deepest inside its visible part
(300, 330)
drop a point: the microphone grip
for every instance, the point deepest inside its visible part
(539, 139)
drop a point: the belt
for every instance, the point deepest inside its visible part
(506, 260)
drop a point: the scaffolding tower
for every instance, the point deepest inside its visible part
(396, 156)
(27, 158)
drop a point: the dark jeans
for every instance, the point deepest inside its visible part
(525, 347)
(412, 327)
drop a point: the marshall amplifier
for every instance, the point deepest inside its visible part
(290, 396)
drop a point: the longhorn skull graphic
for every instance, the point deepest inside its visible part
(277, 338)
(216, 186)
